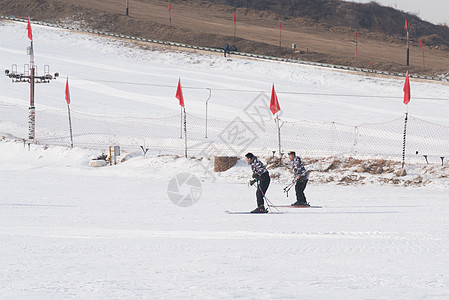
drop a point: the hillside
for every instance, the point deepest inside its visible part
(370, 16)
(323, 30)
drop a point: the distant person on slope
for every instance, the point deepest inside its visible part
(301, 178)
(226, 49)
(262, 178)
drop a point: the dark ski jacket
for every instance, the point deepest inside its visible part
(257, 167)
(299, 169)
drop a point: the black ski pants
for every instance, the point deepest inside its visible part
(262, 187)
(299, 188)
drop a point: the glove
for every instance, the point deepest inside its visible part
(255, 176)
(252, 182)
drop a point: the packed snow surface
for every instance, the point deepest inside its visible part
(71, 231)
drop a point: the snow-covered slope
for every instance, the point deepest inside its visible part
(70, 231)
(119, 79)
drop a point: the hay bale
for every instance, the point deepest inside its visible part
(224, 163)
(400, 172)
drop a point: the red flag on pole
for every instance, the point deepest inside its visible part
(407, 89)
(420, 44)
(30, 34)
(355, 34)
(234, 19)
(274, 103)
(405, 27)
(169, 6)
(67, 92)
(179, 94)
(279, 24)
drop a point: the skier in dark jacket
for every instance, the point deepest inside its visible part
(262, 178)
(301, 178)
(226, 49)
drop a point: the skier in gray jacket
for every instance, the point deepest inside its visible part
(301, 178)
(262, 178)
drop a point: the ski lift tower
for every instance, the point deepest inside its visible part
(30, 75)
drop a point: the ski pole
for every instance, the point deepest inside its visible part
(288, 187)
(269, 203)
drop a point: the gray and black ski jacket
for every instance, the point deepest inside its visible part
(257, 167)
(299, 169)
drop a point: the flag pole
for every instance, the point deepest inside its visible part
(280, 39)
(408, 43)
(185, 132)
(280, 35)
(407, 97)
(127, 7)
(404, 140)
(279, 139)
(32, 109)
(422, 48)
(169, 12)
(70, 126)
(180, 97)
(275, 108)
(235, 26)
(408, 48)
(405, 135)
(234, 32)
(355, 37)
(67, 99)
(423, 65)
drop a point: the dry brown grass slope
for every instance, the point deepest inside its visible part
(322, 29)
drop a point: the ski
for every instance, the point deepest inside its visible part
(248, 212)
(297, 206)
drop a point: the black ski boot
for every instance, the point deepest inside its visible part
(260, 210)
(297, 203)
